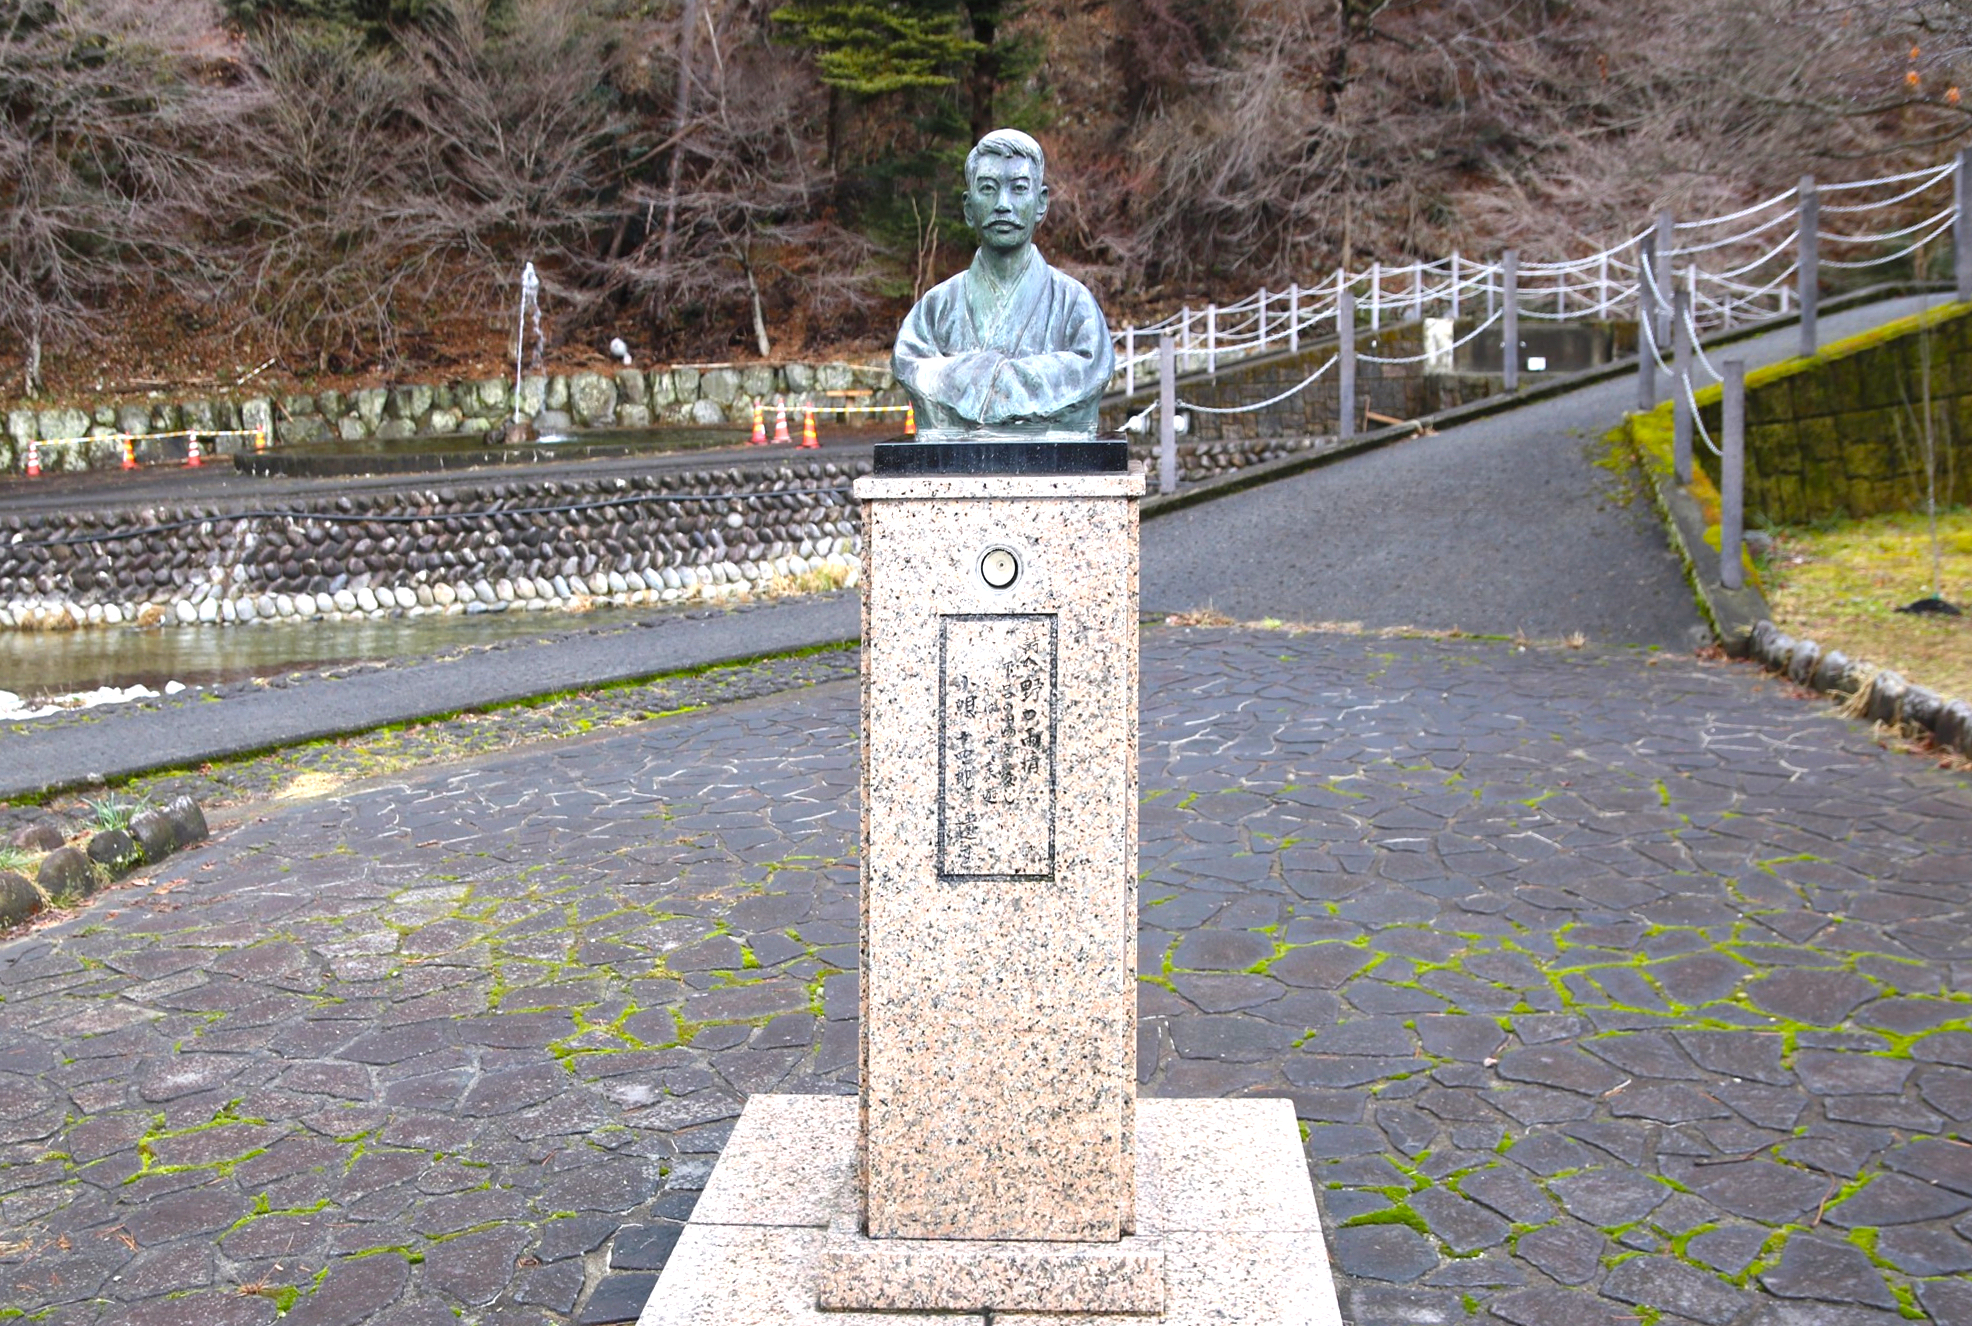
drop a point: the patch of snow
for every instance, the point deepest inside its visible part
(13, 708)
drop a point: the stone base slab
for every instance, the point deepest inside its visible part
(947, 1275)
(1222, 1194)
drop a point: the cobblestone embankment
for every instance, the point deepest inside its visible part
(498, 546)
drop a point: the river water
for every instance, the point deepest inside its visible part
(37, 665)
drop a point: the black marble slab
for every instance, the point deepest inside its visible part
(1100, 455)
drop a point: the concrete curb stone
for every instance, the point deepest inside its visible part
(67, 873)
(40, 836)
(187, 821)
(114, 850)
(1891, 699)
(155, 834)
(19, 899)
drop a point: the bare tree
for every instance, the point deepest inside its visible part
(109, 112)
(526, 140)
(741, 196)
(1369, 130)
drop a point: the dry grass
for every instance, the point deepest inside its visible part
(823, 579)
(1840, 586)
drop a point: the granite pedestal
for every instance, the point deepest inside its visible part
(995, 1161)
(1222, 1194)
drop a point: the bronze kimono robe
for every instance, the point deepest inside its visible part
(1042, 366)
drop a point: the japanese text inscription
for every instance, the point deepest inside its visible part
(996, 700)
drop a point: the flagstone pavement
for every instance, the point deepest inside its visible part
(1610, 987)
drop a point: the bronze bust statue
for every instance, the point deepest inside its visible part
(1009, 349)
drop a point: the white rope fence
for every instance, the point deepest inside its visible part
(1760, 275)
(1302, 385)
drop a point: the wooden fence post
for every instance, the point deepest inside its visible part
(1961, 229)
(1808, 249)
(1681, 387)
(1510, 323)
(1167, 415)
(1646, 313)
(1732, 474)
(1345, 331)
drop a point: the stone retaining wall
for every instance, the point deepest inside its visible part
(1840, 433)
(492, 547)
(628, 398)
(516, 545)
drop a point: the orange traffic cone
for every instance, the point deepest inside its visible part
(193, 459)
(759, 438)
(808, 438)
(33, 459)
(910, 421)
(129, 453)
(781, 438)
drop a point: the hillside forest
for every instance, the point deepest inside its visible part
(192, 191)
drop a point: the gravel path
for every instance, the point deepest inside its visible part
(1500, 525)
(1608, 985)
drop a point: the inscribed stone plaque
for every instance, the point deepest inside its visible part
(996, 687)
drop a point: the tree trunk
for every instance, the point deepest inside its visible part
(834, 127)
(687, 34)
(985, 18)
(34, 359)
(759, 316)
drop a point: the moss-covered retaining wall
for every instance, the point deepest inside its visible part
(1840, 433)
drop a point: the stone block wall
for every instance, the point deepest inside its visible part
(492, 547)
(1841, 433)
(706, 395)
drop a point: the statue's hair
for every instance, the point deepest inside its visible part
(1007, 143)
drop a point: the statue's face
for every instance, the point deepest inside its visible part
(1004, 202)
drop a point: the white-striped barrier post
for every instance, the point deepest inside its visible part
(1961, 226)
(1667, 243)
(1681, 387)
(1263, 319)
(1510, 323)
(1294, 316)
(1212, 339)
(1167, 415)
(1130, 361)
(1732, 474)
(1345, 331)
(1417, 291)
(1646, 366)
(1376, 296)
(1184, 337)
(1455, 290)
(1809, 252)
